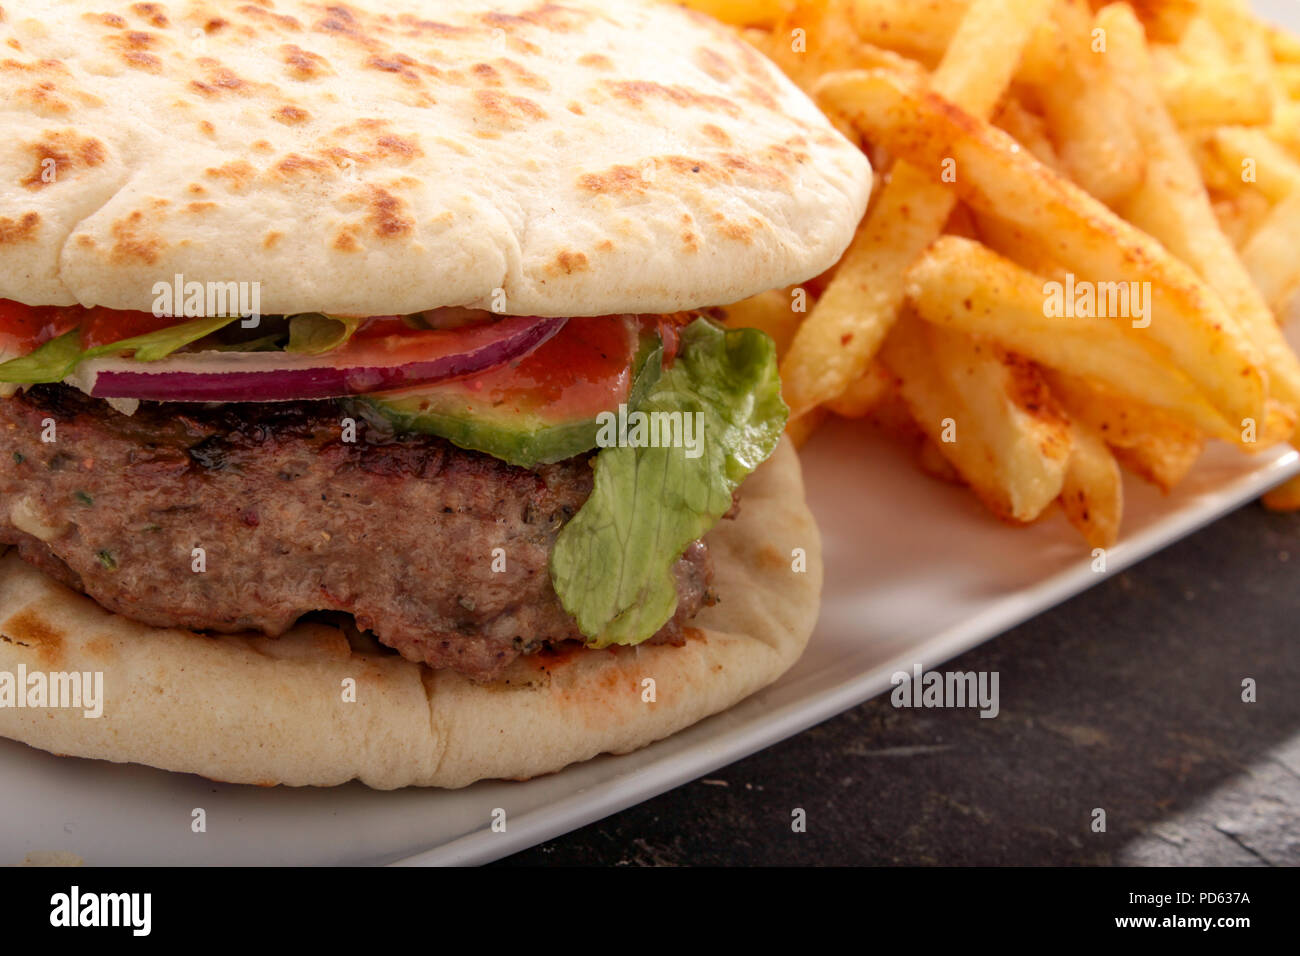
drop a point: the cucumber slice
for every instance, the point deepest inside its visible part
(544, 407)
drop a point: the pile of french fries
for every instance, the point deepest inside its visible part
(1083, 237)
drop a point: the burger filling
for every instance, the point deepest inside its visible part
(516, 491)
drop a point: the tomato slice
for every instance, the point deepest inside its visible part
(587, 365)
(544, 406)
(381, 326)
(102, 326)
(24, 328)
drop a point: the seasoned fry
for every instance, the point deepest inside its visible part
(741, 13)
(1166, 20)
(802, 429)
(1243, 39)
(922, 29)
(1211, 97)
(990, 415)
(1249, 159)
(961, 285)
(862, 397)
(1084, 108)
(1284, 47)
(1211, 76)
(845, 329)
(1139, 161)
(1288, 75)
(772, 312)
(996, 176)
(1147, 441)
(1092, 496)
(1240, 216)
(1000, 178)
(1017, 245)
(1272, 255)
(850, 320)
(1029, 130)
(817, 38)
(1285, 497)
(1174, 207)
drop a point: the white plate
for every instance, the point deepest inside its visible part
(916, 574)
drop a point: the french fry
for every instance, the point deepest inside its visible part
(1285, 497)
(1029, 130)
(1243, 39)
(1174, 207)
(1164, 462)
(991, 416)
(1285, 130)
(1240, 217)
(997, 177)
(846, 327)
(844, 330)
(1166, 20)
(931, 461)
(1092, 495)
(802, 429)
(1017, 245)
(1201, 44)
(1284, 46)
(1207, 80)
(740, 13)
(1288, 75)
(1249, 159)
(921, 29)
(826, 41)
(771, 312)
(982, 56)
(894, 417)
(1213, 97)
(1146, 440)
(1272, 255)
(1086, 119)
(865, 395)
(961, 285)
(1192, 141)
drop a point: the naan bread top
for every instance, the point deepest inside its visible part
(389, 156)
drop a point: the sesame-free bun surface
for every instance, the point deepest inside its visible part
(388, 156)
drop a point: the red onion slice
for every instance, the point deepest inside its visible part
(363, 365)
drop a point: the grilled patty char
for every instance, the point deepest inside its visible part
(400, 531)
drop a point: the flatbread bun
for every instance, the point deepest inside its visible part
(252, 709)
(373, 157)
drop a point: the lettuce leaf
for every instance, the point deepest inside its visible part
(612, 563)
(56, 359)
(311, 333)
(265, 343)
(52, 362)
(153, 346)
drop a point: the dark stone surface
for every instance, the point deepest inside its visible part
(1127, 698)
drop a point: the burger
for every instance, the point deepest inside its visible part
(365, 412)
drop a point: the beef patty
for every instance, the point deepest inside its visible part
(245, 517)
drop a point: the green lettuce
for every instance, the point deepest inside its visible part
(612, 563)
(56, 359)
(311, 333)
(52, 362)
